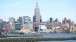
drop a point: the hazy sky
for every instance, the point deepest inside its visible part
(48, 8)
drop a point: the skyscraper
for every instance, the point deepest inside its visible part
(26, 22)
(11, 24)
(51, 20)
(37, 16)
(1, 23)
(19, 20)
(56, 20)
(19, 23)
(11, 19)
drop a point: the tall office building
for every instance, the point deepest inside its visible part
(1, 20)
(37, 16)
(56, 20)
(64, 21)
(26, 22)
(11, 19)
(19, 20)
(51, 20)
(2, 27)
(2, 24)
(19, 23)
(11, 24)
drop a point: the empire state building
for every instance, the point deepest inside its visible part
(37, 16)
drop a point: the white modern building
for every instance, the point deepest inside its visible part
(42, 28)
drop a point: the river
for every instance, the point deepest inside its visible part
(59, 41)
(59, 35)
(53, 35)
(49, 35)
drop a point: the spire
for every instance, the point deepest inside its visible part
(37, 3)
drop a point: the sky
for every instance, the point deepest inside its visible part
(48, 8)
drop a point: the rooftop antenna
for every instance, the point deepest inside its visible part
(37, 3)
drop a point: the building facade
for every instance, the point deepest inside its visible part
(11, 24)
(27, 24)
(36, 18)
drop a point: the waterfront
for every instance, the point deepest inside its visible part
(45, 35)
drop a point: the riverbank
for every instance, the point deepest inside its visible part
(34, 39)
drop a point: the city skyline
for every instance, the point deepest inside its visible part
(48, 8)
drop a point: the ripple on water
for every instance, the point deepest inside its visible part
(59, 35)
(60, 41)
